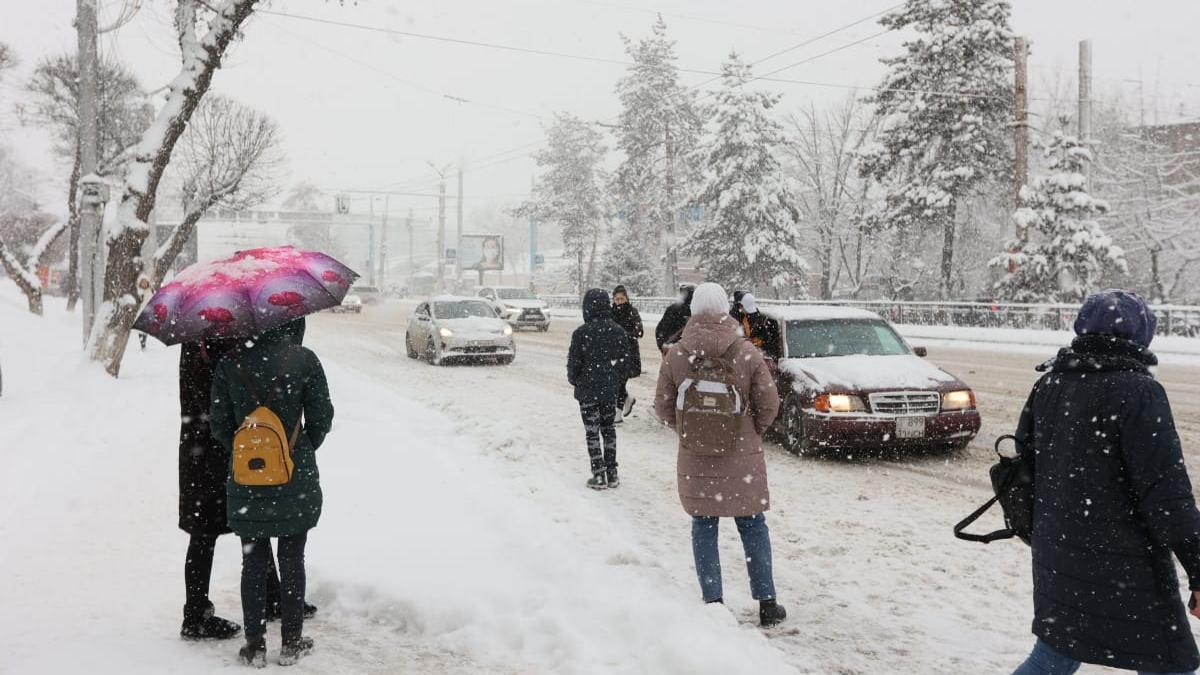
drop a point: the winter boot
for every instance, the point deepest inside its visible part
(275, 611)
(613, 480)
(770, 613)
(295, 647)
(628, 408)
(254, 653)
(598, 482)
(202, 624)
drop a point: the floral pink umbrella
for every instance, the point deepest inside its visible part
(244, 295)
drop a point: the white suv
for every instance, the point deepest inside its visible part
(518, 306)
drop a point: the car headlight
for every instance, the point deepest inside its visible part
(445, 332)
(507, 330)
(962, 399)
(841, 403)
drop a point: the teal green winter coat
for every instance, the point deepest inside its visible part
(275, 361)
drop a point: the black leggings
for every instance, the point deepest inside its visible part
(256, 568)
(197, 572)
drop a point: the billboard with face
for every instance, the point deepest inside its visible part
(482, 252)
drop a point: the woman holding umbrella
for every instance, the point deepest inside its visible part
(262, 295)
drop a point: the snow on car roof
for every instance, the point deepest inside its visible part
(452, 298)
(816, 312)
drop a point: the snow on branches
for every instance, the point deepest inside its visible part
(750, 238)
(1062, 251)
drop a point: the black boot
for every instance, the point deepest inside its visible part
(254, 653)
(613, 480)
(275, 611)
(295, 647)
(598, 482)
(770, 613)
(200, 623)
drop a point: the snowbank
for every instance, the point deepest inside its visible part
(424, 560)
(1168, 348)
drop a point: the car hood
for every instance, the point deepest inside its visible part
(474, 327)
(863, 373)
(521, 303)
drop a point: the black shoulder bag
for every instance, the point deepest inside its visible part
(1012, 481)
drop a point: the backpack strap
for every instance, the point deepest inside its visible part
(988, 538)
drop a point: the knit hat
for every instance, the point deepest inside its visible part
(709, 298)
(1119, 313)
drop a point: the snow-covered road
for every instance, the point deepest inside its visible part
(865, 559)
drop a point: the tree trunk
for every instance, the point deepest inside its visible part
(33, 292)
(579, 272)
(201, 59)
(166, 254)
(73, 228)
(1156, 281)
(948, 229)
(591, 270)
(827, 263)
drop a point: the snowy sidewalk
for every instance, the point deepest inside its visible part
(425, 559)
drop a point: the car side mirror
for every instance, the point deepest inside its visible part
(921, 351)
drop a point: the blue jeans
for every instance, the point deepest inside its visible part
(756, 541)
(1045, 661)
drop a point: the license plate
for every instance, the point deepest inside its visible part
(479, 343)
(910, 427)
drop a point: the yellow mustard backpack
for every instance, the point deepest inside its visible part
(262, 449)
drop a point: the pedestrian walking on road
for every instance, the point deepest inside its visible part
(670, 327)
(597, 366)
(273, 494)
(716, 391)
(628, 318)
(1112, 502)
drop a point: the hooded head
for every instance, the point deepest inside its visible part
(748, 303)
(292, 331)
(685, 293)
(1122, 314)
(709, 299)
(596, 305)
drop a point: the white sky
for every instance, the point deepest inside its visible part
(366, 110)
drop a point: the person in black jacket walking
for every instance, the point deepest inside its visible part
(1112, 502)
(597, 365)
(628, 318)
(670, 327)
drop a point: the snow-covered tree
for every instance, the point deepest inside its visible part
(658, 130)
(204, 31)
(1060, 251)
(627, 261)
(571, 191)
(122, 115)
(750, 238)
(27, 234)
(944, 108)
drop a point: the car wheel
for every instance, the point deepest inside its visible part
(435, 354)
(791, 426)
(505, 360)
(408, 346)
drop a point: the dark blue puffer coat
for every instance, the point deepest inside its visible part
(1112, 502)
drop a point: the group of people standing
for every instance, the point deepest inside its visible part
(721, 474)
(221, 382)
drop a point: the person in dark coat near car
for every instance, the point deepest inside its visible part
(274, 365)
(674, 318)
(597, 366)
(628, 318)
(755, 325)
(1112, 502)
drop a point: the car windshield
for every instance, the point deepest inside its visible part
(808, 339)
(461, 309)
(514, 294)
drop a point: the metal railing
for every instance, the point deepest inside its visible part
(1180, 320)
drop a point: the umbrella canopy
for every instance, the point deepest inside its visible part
(244, 295)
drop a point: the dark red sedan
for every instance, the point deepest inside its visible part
(849, 381)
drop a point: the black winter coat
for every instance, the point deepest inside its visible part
(203, 461)
(598, 361)
(628, 318)
(1112, 501)
(670, 327)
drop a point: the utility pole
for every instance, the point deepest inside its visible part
(383, 250)
(1085, 102)
(532, 241)
(440, 277)
(458, 239)
(90, 212)
(670, 274)
(412, 263)
(1021, 124)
